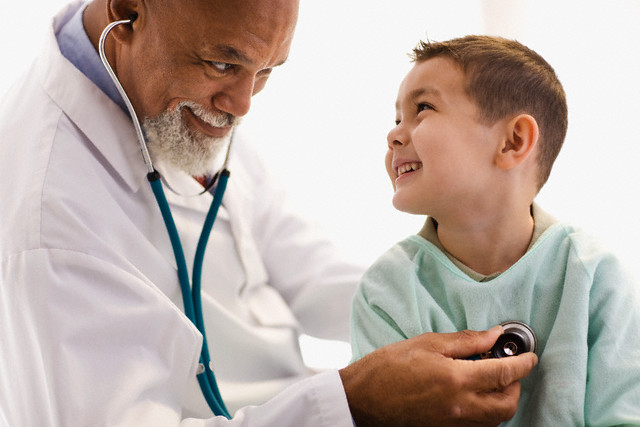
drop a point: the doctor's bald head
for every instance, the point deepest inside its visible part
(176, 54)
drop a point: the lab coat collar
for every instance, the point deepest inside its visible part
(182, 190)
(103, 122)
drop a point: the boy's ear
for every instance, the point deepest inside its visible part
(521, 137)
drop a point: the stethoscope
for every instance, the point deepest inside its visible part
(517, 338)
(191, 294)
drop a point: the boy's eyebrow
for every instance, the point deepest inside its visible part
(429, 90)
(416, 93)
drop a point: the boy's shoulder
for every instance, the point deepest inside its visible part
(579, 249)
(410, 249)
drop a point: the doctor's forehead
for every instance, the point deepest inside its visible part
(203, 10)
(256, 23)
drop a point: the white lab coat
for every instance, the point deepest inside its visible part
(91, 324)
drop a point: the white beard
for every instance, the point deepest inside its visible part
(170, 140)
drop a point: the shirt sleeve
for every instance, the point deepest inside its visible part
(310, 272)
(312, 275)
(315, 402)
(613, 370)
(372, 325)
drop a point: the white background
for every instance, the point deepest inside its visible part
(323, 118)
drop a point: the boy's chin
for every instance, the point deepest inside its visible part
(406, 206)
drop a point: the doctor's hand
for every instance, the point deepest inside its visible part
(422, 381)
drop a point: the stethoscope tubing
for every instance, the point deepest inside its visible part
(196, 292)
(191, 294)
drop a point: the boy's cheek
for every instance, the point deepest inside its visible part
(390, 172)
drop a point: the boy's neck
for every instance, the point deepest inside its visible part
(488, 244)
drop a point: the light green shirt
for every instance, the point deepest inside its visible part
(582, 305)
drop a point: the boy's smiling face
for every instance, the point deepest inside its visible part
(440, 156)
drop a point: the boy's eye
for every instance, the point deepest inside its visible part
(424, 106)
(397, 122)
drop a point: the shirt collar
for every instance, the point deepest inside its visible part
(106, 126)
(75, 45)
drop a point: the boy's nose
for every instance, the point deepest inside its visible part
(396, 137)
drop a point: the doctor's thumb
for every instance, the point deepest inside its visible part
(464, 344)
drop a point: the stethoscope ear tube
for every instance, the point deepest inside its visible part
(132, 112)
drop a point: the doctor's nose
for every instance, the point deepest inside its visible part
(235, 98)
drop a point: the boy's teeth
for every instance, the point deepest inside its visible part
(408, 167)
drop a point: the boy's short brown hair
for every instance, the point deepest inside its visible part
(506, 78)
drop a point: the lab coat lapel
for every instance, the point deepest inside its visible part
(103, 122)
(239, 203)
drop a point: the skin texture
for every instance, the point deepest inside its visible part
(219, 53)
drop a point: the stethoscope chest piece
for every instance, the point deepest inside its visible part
(517, 338)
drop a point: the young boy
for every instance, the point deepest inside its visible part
(479, 123)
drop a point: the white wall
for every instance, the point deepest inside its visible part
(323, 118)
(594, 47)
(332, 105)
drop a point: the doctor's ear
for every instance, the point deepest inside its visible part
(119, 10)
(520, 139)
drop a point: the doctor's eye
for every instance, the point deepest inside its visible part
(220, 67)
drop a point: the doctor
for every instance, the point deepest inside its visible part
(91, 324)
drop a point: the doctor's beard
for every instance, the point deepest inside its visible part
(171, 141)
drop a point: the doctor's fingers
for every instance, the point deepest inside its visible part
(496, 374)
(486, 408)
